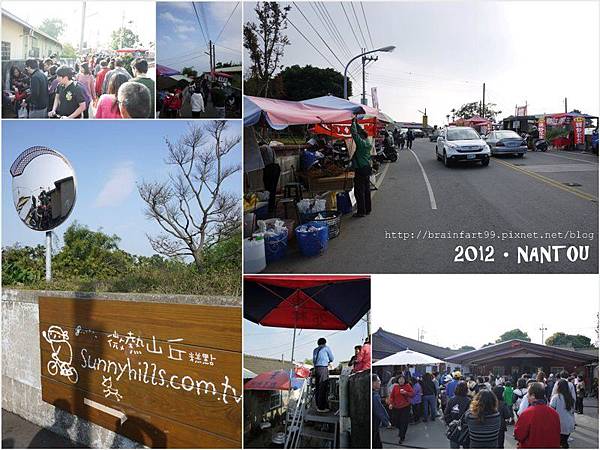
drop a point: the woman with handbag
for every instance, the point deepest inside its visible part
(456, 407)
(399, 404)
(483, 420)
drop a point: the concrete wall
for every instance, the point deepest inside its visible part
(21, 390)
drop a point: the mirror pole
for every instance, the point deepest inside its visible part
(48, 256)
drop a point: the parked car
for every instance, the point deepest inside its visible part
(506, 142)
(434, 135)
(418, 133)
(461, 144)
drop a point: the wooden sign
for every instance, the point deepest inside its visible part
(165, 375)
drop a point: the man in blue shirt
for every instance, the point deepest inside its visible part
(451, 387)
(322, 356)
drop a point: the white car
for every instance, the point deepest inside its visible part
(461, 144)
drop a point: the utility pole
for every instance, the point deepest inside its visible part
(210, 53)
(542, 329)
(363, 100)
(82, 26)
(483, 103)
(122, 28)
(566, 111)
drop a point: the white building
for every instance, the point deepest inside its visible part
(21, 40)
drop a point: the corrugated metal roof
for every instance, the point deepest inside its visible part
(259, 364)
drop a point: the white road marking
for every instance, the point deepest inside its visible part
(429, 190)
(106, 409)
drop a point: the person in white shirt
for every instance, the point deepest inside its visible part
(197, 102)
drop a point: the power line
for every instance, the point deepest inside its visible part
(326, 25)
(335, 28)
(350, 24)
(228, 19)
(367, 23)
(311, 44)
(203, 14)
(200, 24)
(318, 34)
(239, 52)
(358, 25)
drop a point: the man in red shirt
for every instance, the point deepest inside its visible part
(539, 425)
(100, 77)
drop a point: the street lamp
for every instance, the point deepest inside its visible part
(388, 49)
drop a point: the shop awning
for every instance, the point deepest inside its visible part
(280, 114)
(309, 302)
(276, 380)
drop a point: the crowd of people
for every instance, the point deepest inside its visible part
(99, 86)
(478, 410)
(193, 100)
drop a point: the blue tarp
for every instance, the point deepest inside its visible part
(330, 101)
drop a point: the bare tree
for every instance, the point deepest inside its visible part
(192, 207)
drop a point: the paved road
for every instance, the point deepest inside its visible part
(19, 433)
(433, 434)
(553, 192)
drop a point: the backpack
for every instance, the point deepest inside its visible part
(520, 393)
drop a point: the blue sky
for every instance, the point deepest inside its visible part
(109, 158)
(181, 38)
(273, 342)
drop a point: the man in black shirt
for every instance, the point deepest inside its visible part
(38, 99)
(69, 102)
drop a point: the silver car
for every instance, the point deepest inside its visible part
(461, 144)
(506, 142)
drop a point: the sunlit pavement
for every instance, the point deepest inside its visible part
(542, 192)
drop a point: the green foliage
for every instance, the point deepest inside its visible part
(53, 27)
(466, 348)
(189, 72)
(265, 40)
(557, 131)
(23, 265)
(92, 261)
(513, 334)
(122, 38)
(469, 110)
(68, 51)
(301, 83)
(569, 340)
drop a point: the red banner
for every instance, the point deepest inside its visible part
(542, 127)
(342, 130)
(579, 130)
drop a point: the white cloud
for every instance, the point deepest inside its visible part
(169, 17)
(183, 6)
(184, 29)
(118, 187)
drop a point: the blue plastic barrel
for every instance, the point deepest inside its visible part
(312, 243)
(276, 245)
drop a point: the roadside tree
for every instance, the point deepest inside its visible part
(265, 41)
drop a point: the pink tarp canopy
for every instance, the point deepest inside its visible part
(280, 114)
(164, 71)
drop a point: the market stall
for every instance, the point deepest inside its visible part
(313, 184)
(568, 131)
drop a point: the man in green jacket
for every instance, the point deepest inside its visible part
(361, 163)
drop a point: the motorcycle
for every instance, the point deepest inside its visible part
(386, 151)
(540, 145)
